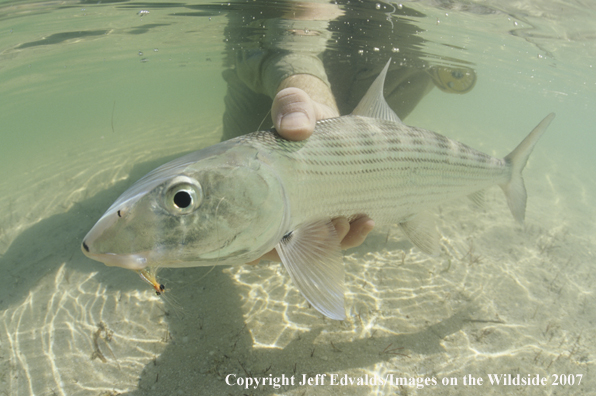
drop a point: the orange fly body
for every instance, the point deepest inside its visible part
(149, 277)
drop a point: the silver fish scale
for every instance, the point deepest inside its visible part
(357, 165)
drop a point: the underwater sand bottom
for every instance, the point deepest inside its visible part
(499, 299)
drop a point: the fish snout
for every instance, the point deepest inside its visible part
(129, 261)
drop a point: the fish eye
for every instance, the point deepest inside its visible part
(183, 195)
(182, 199)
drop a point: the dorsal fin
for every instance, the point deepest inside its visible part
(373, 104)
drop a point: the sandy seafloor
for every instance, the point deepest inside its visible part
(499, 299)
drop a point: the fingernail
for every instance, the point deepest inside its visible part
(294, 120)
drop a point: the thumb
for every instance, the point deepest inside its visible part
(293, 114)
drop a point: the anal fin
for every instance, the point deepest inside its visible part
(422, 232)
(313, 258)
(478, 198)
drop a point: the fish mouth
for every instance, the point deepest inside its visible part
(135, 261)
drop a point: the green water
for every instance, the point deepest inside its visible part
(93, 95)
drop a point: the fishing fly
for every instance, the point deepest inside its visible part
(149, 276)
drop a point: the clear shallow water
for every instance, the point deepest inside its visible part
(92, 96)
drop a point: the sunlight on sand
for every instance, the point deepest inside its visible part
(59, 331)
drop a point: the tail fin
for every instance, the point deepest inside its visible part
(514, 189)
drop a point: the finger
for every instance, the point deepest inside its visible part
(271, 255)
(342, 227)
(293, 114)
(358, 231)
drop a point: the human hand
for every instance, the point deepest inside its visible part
(300, 102)
(351, 234)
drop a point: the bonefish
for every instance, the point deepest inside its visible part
(232, 202)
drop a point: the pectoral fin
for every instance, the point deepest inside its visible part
(422, 232)
(313, 258)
